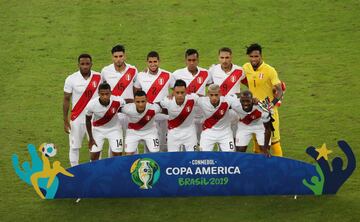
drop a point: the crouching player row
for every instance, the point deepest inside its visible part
(182, 132)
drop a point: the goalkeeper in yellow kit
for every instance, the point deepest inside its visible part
(264, 82)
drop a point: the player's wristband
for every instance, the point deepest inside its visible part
(275, 100)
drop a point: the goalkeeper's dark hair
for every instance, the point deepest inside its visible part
(84, 55)
(118, 48)
(180, 82)
(153, 54)
(139, 93)
(191, 52)
(104, 85)
(253, 47)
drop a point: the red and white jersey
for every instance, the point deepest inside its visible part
(105, 117)
(181, 117)
(229, 82)
(141, 121)
(76, 85)
(256, 117)
(216, 118)
(194, 83)
(155, 86)
(121, 82)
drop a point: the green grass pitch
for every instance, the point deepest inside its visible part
(314, 45)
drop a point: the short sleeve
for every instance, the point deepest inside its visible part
(194, 96)
(211, 72)
(274, 77)
(209, 79)
(136, 75)
(172, 81)
(68, 85)
(156, 108)
(102, 73)
(201, 101)
(165, 103)
(136, 81)
(120, 99)
(234, 103)
(89, 109)
(125, 108)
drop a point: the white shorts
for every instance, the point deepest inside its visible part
(210, 137)
(244, 135)
(184, 138)
(77, 133)
(133, 137)
(115, 138)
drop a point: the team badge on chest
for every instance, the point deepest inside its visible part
(161, 81)
(200, 80)
(261, 76)
(233, 79)
(128, 77)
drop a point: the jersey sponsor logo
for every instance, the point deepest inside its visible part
(197, 82)
(216, 116)
(157, 86)
(143, 121)
(124, 82)
(230, 81)
(110, 113)
(249, 118)
(145, 173)
(85, 97)
(185, 112)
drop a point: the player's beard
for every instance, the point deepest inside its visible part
(120, 65)
(256, 65)
(85, 72)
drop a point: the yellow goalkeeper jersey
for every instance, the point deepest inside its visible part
(262, 80)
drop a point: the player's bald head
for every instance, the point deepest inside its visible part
(214, 88)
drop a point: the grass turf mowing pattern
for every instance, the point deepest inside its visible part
(313, 45)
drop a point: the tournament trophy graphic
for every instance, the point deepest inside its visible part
(145, 173)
